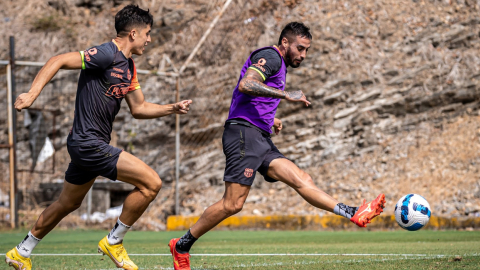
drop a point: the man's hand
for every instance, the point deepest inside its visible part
(277, 125)
(182, 107)
(296, 96)
(24, 101)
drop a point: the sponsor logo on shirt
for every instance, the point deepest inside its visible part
(90, 52)
(260, 64)
(118, 70)
(116, 75)
(117, 90)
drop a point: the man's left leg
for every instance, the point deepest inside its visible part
(284, 170)
(69, 200)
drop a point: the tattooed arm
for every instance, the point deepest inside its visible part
(297, 95)
(252, 84)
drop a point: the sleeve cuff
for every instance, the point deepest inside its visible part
(82, 54)
(263, 76)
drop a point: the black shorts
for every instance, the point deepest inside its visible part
(247, 151)
(90, 161)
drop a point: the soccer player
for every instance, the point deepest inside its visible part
(107, 76)
(248, 147)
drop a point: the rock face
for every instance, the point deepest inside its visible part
(394, 87)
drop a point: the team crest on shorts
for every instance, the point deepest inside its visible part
(248, 172)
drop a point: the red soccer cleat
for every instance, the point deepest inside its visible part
(366, 212)
(180, 261)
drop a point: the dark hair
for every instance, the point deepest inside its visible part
(294, 29)
(130, 17)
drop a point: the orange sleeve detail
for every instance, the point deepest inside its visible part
(134, 85)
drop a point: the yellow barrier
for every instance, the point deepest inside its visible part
(294, 222)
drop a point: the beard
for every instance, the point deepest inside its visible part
(291, 61)
(294, 65)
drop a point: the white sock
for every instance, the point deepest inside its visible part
(27, 245)
(118, 232)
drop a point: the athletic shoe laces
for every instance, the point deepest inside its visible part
(184, 261)
(121, 251)
(364, 202)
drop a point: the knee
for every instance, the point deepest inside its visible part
(154, 186)
(304, 180)
(232, 207)
(307, 179)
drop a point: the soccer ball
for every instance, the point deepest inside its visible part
(412, 212)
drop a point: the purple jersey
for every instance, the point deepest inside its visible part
(259, 111)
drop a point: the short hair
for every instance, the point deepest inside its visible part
(294, 29)
(132, 16)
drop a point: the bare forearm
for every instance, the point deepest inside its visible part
(71, 60)
(258, 89)
(44, 76)
(151, 110)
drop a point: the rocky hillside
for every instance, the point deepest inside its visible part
(394, 87)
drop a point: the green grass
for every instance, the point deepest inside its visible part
(443, 249)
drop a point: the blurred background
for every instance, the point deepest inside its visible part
(394, 86)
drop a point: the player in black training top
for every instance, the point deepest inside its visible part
(107, 76)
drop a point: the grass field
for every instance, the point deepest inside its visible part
(243, 249)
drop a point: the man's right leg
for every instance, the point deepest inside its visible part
(70, 199)
(286, 171)
(147, 184)
(132, 170)
(230, 204)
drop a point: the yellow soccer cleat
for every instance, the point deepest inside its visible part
(17, 261)
(117, 253)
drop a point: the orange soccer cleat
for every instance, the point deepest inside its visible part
(180, 261)
(367, 211)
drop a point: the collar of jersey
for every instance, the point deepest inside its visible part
(118, 47)
(116, 44)
(276, 48)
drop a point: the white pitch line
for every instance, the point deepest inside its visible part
(255, 265)
(253, 254)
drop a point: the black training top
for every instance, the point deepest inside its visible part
(266, 61)
(106, 77)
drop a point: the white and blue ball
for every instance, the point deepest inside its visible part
(412, 212)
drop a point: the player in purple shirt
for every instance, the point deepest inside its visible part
(107, 76)
(248, 148)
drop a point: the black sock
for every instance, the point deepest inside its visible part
(185, 243)
(345, 210)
